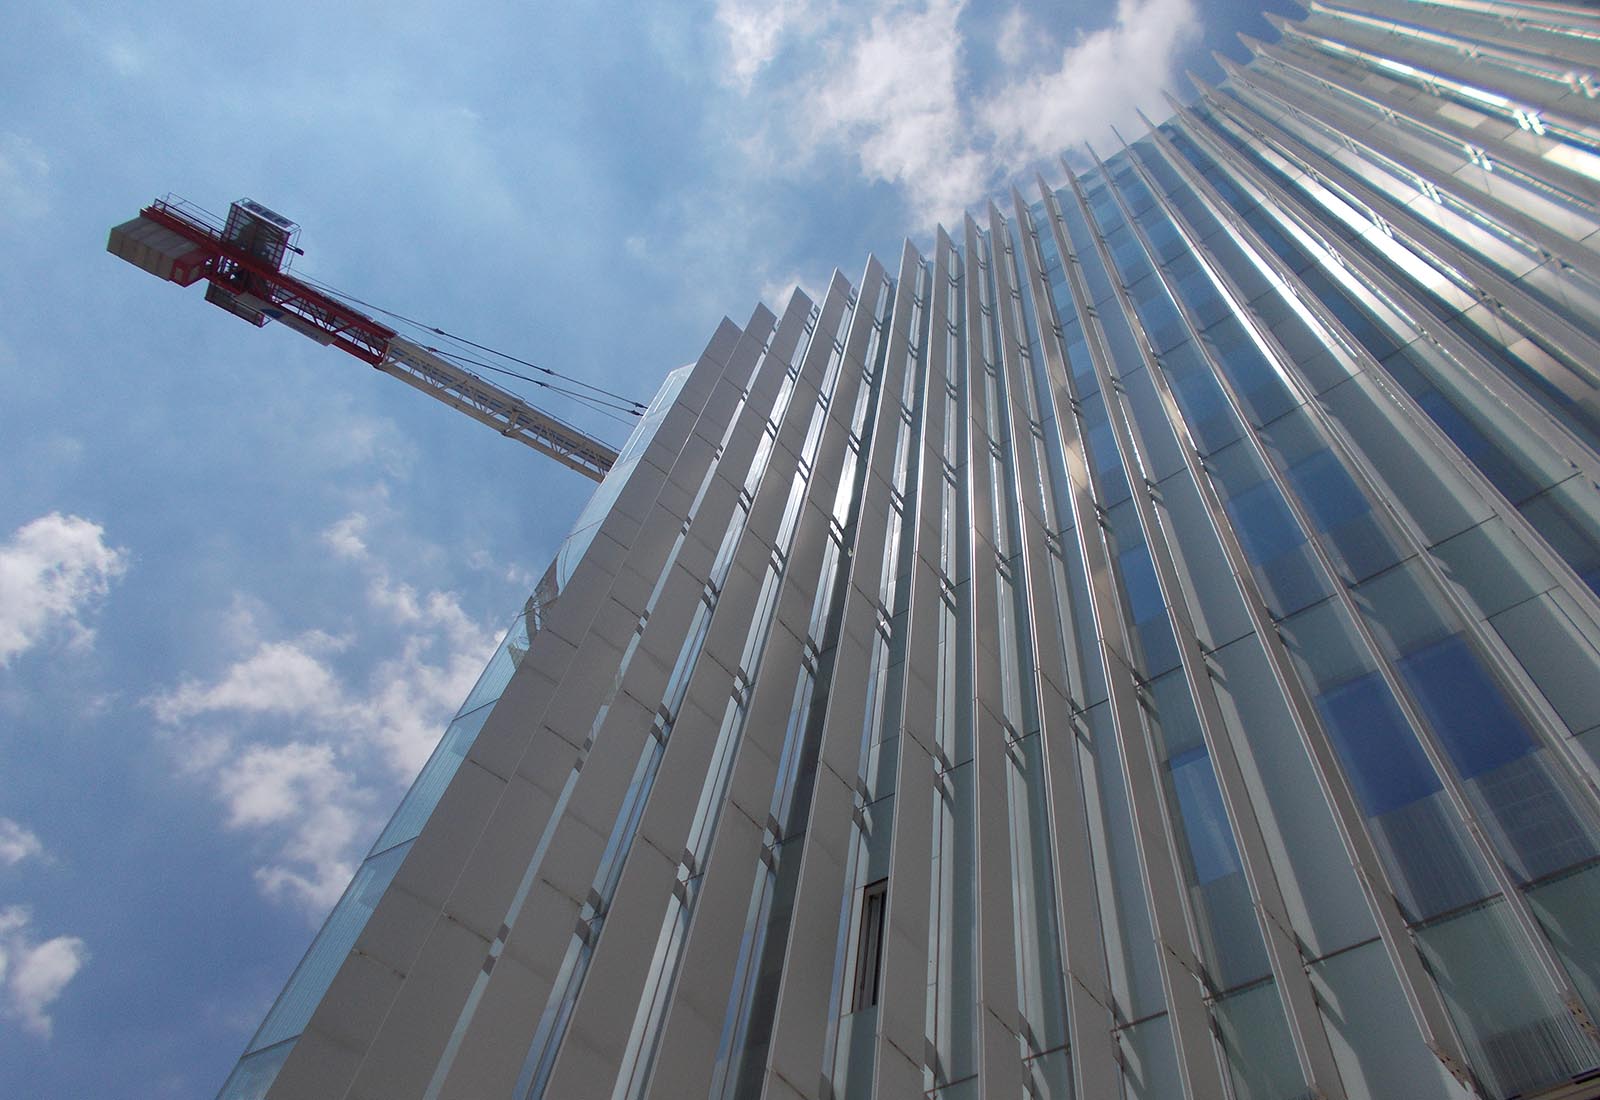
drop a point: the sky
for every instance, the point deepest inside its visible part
(245, 581)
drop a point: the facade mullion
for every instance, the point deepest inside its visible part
(690, 709)
(899, 1062)
(1090, 1019)
(1427, 1006)
(811, 601)
(1405, 58)
(1125, 922)
(687, 1047)
(1530, 73)
(1183, 974)
(808, 1013)
(1427, 738)
(1539, 256)
(1420, 105)
(1491, 291)
(999, 1022)
(1566, 451)
(1543, 29)
(1487, 641)
(1040, 971)
(700, 756)
(1464, 181)
(1299, 1002)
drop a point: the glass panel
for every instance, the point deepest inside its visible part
(1567, 907)
(1374, 1036)
(254, 1074)
(1255, 1036)
(1557, 655)
(1230, 936)
(497, 674)
(435, 776)
(1261, 391)
(1568, 517)
(1330, 497)
(1206, 412)
(1150, 1062)
(1207, 579)
(1417, 478)
(1130, 942)
(1041, 996)
(1433, 867)
(1284, 566)
(327, 952)
(1324, 900)
(1048, 1076)
(1494, 569)
(1516, 1032)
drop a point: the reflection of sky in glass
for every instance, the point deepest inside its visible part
(583, 531)
(1205, 822)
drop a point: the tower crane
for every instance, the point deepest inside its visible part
(242, 262)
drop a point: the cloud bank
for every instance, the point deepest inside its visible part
(297, 745)
(895, 85)
(52, 570)
(34, 973)
(17, 843)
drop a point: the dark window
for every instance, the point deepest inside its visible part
(869, 945)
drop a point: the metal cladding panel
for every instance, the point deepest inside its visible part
(1151, 650)
(615, 977)
(491, 1053)
(402, 1056)
(489, 879)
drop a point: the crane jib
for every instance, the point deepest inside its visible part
(241, 260)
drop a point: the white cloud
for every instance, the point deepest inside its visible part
(345, 537)
(896, 99)
(17, 843)
(24, 179)
(898, 93)
(50, 570)
(303, 787)
(1014, 42)
(755, 32)
(297, 747)
(283, 678)
(1102, 80)
(34, 974)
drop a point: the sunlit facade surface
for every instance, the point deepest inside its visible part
(1145, 646)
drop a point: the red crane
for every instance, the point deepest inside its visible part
(242, 262)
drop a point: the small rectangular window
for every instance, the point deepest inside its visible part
(869, 945)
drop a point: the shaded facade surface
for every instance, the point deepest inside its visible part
(1147, 647)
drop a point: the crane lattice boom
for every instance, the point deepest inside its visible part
(242, 263)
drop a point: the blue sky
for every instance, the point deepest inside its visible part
(243, 579)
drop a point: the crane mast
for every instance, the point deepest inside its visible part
(242, 262)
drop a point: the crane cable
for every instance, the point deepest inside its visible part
(593, 403)
(616, 403)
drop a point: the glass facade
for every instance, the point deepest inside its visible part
(1146, 645)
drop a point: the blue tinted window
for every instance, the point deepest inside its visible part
(1354, 318)
(1477, 447)
(1205, 409)
(1326, 490)
(1205, 822)
(1257, 383)
(1380, 752)
(1465, 708)
(1263, 522)
(1139, 581)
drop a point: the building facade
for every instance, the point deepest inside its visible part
(1145, 646)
